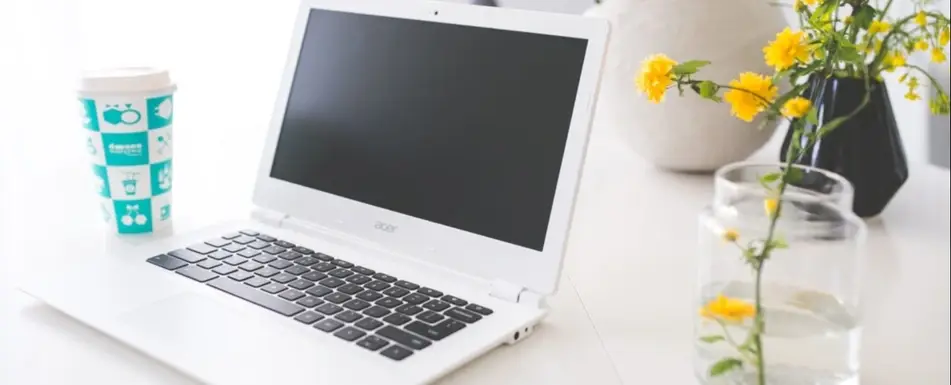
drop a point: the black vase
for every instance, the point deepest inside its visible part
(867, 149)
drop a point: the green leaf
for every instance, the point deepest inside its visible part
(793, 175)
(725, 365)
(778, 243)
(708, 90)
(850, 54)
(813, 116)
(712, 339)
(832, 125)
(771, 177)
(689, 67)
(863, 16)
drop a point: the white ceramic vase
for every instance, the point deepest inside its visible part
(684, 133)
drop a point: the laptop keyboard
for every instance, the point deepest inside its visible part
(371, 309)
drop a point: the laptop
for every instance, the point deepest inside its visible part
(412, 206)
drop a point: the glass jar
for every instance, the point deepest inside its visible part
(809, 284)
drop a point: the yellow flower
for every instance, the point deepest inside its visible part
(788, 47)
(944, 37)
(894, 60)
(796, 107)
(879, 26)
(937, 55)
(731, 235)
(848, 19)
(751, 94)
(770, 205)
(912, 95)
(873, 46)
(800, 4)
(903, 77)
(655, 77)
(921, 45)
(921, 18)
(728, 309)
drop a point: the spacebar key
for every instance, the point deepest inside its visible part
(252, 295)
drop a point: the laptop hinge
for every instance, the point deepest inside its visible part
(514, 293)
(269, 217)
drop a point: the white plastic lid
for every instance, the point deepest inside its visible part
(128, 79)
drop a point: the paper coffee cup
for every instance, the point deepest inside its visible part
(127, 115)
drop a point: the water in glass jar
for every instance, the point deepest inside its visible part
(810, 338)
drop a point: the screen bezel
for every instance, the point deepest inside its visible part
(435, 243)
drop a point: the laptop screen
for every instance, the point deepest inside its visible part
(457, 125)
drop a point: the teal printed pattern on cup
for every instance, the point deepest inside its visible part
(129, 142)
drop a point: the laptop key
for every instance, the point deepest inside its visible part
(280, 264)
(296, 270)
(303, 250)
(384, 277)
(407, 285)
(455, 300)
(369, 295)
(244, 240)
(306, 261)
(329, 308)
(402, 337)
(187, 255)
(219, 254)
(328, 325)
(219, 242)
(350, 333)
(362, 270)
(430, 317)
(266, 238)
(264, 258)
(240, 276)
(435, 332)
(197, 273)
(377, 285)
(324, 267)
(430, 292)
(415, 298)
(256, 297)
(257, 282)
(274, 288)
(479, 309)
(348, 316)
(290, 255)
(337, 298)
(292, 295)
(283, 278)
(350, 288)
(308, 317)
(249, 232)
(373, 343)
(436, 305)
(251, 266)
(319, 291)
(331, 282)
(342, 263)
(273, 249)
(260, 245)
(397, 319)
(248, 253)
(231, 235)
(314, 276)
(341, 273)
(396, 352)
(409, 309)
(233, 248)
(396, 292)
(225, 269)
(310, 301)
(209, 264)
(267, 272)
(376, 311)
(389, 302)
(356, 304)
(301, 284)
(368, 324)
(323, 257)
(234, 261)
(358, 279)
(166, 262)
(463, 315)
(283, 243)
(202, 248)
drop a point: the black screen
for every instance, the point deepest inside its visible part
(457, 125)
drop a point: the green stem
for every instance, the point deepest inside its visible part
(729, 339)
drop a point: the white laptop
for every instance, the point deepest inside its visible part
(412, 206)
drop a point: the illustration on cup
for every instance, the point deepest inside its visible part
(165, 141)
(165, 212)
(127, 115)
(133, 216)
(165, 177)
(159, 110)
(90, 148)
(130, 184)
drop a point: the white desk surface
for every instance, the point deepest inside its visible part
(623, 313)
